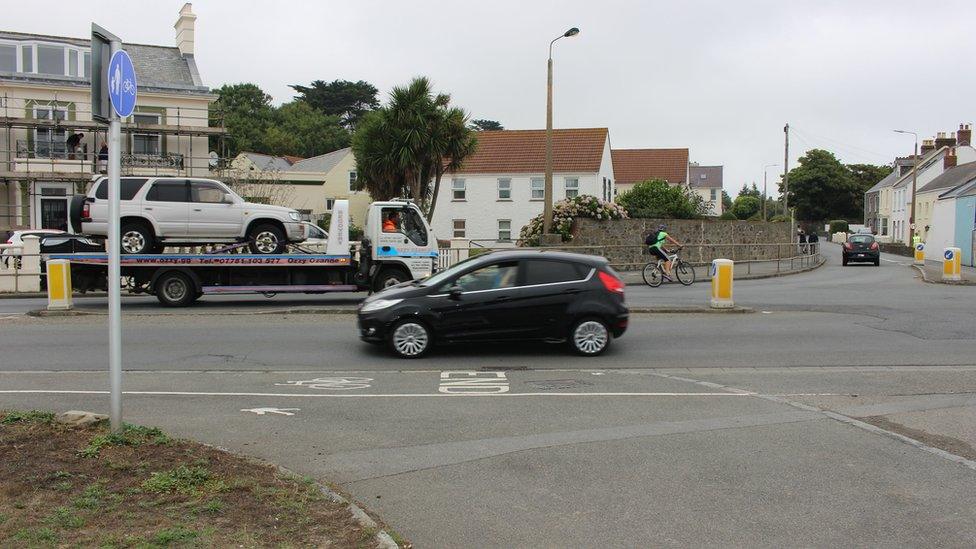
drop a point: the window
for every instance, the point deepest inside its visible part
(8, 58)
(146, 143)
(549, 272)
(504, 230)
(87, 64)
(72, 63)
(412, 225)
(129, 185)
(572, 187)
(714, 194)
(606, 189)
(352, 180)
(168, 191)
(537, 186)
(50, 60)
(207, 193)
(27, 58)
(702, 176)
(458, 189)
(460, 228)
(49, 143)
(329, 204)
(504, 189)
(884, 226)
(490, 277)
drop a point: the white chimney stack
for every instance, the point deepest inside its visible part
(184, 29)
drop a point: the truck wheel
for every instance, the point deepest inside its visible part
(266, 239)
(175, 290)
(136, 238)
(389, 277)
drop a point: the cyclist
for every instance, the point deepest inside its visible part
(656, 242)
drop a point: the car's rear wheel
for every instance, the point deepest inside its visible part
(589, 337)
(266, 239)
(175, 290)
(136, 238)
(410, 339)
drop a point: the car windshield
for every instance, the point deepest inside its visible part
(862, 239)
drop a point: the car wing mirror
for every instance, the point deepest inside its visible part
(227, 199)
(454, 292)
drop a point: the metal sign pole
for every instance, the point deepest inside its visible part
(114, 270)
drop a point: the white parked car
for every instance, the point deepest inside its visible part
(179, 211)
(10, 256)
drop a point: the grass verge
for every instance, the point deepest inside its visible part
(87, 487)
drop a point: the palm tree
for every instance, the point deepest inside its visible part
(401, 147)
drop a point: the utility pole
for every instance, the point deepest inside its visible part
(786, 172)
(547, 205)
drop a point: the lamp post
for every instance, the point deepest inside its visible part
(765, 173)
(911, 215)
(547, 208)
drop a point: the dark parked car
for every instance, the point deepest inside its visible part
(527, 295)
(861, 248)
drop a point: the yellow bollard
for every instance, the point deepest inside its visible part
(952, 264)
(59, 285)
(721, 271)
(920, 254)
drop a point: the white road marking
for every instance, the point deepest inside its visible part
(473, 383)
(404, 395)
(331, 383)
(279, 411)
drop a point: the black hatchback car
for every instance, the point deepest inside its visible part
(861, 248)
(528, 295)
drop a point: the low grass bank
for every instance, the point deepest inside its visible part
(87, 487)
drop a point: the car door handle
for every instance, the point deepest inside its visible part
(503, 298)
(198, 209)
(147, 209)
(571, 291)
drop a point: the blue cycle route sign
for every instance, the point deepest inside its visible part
(122, 84)
(949, 255)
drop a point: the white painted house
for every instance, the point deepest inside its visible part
(502, 185)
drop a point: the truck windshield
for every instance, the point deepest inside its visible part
(413, 226)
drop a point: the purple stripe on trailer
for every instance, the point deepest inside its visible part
(279, 289)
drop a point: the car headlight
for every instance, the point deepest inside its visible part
(379, 304)
(294, 216)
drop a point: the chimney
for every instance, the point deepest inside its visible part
(950, 159)
(944, 139)
(928, 145)
(184, 29)
(964, 137)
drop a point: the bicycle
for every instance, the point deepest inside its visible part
(654, 274)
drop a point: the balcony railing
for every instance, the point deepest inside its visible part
(164, 161)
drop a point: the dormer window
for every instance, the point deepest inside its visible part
(45, 59)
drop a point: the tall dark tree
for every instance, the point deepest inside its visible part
(750, 191)
(483, 124)
(823, 188)
(726, 201)
(349, 101)
(404, 147)
(246, 113)
(313, 131)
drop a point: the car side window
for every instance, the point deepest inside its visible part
(206, 192)
(168, 191)
(549, 272)
(128, 185)
(490, 277)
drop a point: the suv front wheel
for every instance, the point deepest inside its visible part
(136, 238)
(266, 239)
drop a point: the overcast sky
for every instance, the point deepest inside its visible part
(720, 78)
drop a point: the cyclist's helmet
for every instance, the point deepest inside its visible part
(662, 227)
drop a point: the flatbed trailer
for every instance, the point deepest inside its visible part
(180, 279)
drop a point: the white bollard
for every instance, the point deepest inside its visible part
(722, 271)
(59, 285)
(952, 264)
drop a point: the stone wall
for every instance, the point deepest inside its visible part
(622, 240)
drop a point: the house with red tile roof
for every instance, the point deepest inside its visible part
(706, 182)
(635, 165)
(501, 186)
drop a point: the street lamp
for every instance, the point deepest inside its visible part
(766, 167)
(911, 217)
(547, 208)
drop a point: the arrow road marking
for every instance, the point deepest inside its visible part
(264, 411)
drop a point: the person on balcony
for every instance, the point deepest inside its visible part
(73, 144)
(103, 158)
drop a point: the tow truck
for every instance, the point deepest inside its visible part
(380, 259)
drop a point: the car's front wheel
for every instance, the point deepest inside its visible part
(589, 337)
(410, 339)
(266, 239)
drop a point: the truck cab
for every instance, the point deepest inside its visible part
(399, 243)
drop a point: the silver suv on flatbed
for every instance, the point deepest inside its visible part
(177, 211)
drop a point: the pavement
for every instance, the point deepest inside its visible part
(840, 413)
(931, 271)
